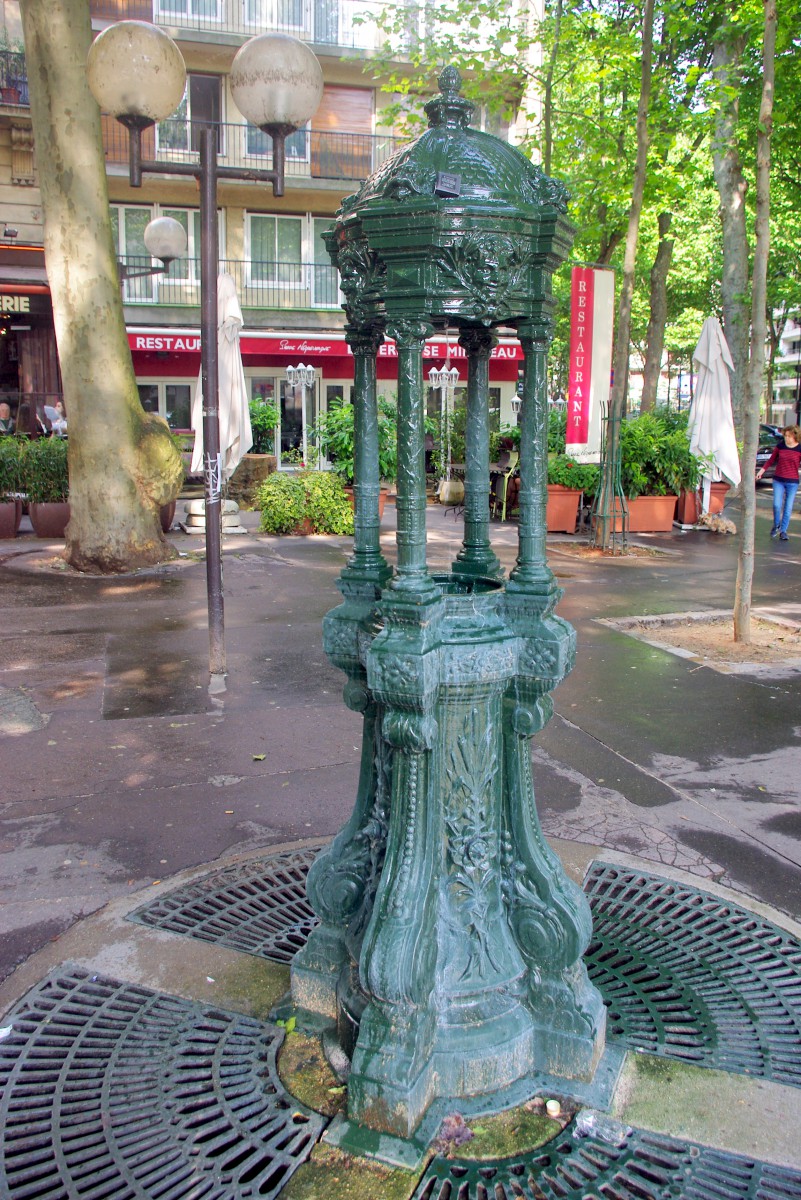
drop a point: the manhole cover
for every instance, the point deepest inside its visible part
(112, 1091)
(683, 973)
(258, 907)
(690, 976)
(643, 1166)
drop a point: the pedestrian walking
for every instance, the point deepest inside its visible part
(787, 457)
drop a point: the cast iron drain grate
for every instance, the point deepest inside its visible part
(687, 975)
(112, 1091)
(643, 1166)
(258, 907)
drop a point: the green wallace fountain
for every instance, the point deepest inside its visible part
(448, 961)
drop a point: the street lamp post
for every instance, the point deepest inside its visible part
(303, 377)
(137, 73)
(445, 380)
(165, 238)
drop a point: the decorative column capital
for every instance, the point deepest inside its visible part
(478, 343)
(536, 331)
(364, 340)
(408, 333)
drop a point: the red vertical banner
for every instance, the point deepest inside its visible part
(592, 306)
(581, 314)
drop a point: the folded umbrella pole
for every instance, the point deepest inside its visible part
(711, 425)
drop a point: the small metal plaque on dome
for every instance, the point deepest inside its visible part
(448, 185)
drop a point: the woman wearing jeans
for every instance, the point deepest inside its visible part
(787, 457)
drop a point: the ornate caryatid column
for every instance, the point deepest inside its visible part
(367, 561)
(412, 578)
(477, 558)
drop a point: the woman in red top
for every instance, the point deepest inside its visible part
(787, 457)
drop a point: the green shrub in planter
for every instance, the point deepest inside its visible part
(334, 436)
(10, 467)
(44, 474)
(313, 501)
(570, 474)
(655, 455)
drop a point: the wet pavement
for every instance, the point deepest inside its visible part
(119, 769)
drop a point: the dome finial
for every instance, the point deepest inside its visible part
(449, 108)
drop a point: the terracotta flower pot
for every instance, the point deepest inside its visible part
(717, 496)
(10, 517)
(688, 507)
(651, 514)
(49, 520)
(561, 513)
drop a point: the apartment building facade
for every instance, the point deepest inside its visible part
(271, 246)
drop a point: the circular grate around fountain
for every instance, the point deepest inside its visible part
(683, 973)
(642, 1166)
(688, 975)
(258, 907)
(110, 1091)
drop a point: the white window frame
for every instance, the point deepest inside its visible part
(268, 13)
(192, 256)
(162, 385)
(166, 10)
(251, 280)
(259, 156)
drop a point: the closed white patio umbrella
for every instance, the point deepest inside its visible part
(236, 435)
(711, 425)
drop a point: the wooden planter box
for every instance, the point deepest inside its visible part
(561, 513)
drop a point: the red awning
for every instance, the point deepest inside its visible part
(310, 346)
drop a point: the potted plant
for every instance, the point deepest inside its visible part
(656, 465)
(309, 502)
(260, 461)
(45, 481)
(334, 436)
(10, 486)
(568, 480)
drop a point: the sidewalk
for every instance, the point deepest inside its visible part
(123, 776)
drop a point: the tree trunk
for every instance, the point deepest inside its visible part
(658, 319)
(620, 361)
(732, 187)
(547, 100)
(756, 365)
(122, 461)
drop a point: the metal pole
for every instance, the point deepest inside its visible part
(212, 466)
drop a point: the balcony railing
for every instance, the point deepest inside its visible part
(310, 153)
(13, 78)
(274, 285)
(344, 23)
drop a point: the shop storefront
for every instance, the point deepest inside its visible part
(30, 379)
(167, 362)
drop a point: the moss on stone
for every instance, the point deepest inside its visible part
(254, 986)
(513, 1132)
(332, 1175)
(306, 1074)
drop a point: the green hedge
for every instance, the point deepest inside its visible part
(10, 466)
(43, 470)
(288, 502)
